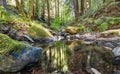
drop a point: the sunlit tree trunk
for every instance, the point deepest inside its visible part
(19, 7)
(48, 11)
(31, 11)
(55, 8)
(89, 1)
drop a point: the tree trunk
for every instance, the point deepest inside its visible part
(58, 8)
(19, 7)
(89, 1)
(76, 10)
(4, 3)
(31, 12)
(48, 10)
(82, 6)
(37, 8)
(103, 1)
(117, 0)
(43, 10)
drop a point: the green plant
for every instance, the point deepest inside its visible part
(104, 26)
(56, 24)
(98, 21)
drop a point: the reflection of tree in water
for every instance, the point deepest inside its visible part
(57, 57)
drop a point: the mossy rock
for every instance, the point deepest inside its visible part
(72, 30)
(15, 55)
(37, 31)
(7, 44)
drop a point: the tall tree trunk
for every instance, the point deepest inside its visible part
(58, 8)
(19, 7)
(89, 1)
(43, 10)
(4, 3)
(76, 9)
(31, 11)
(104, 1)
(117, 0)
(37, 8)
(48, 10)
(82, 6)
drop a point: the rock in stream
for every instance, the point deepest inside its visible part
(13, 62)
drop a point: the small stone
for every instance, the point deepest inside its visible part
(116, 51)
(109, 45)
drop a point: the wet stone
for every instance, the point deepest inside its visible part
(15, 61)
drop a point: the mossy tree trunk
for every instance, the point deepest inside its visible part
(37, 9)
(19, 7)
(31, 12)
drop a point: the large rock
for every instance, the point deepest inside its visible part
(15, 55)
(72, 30)
(16, 61)
(37, 31)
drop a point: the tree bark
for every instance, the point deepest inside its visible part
(4, 3)
(76, 10)
(82, 6)
(19, 7)
(43, 10)
(31, 9)
(48, 10)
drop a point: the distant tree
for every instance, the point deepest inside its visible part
(48, 11)
(4, 3)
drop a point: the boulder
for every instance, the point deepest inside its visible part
(15, 55)
(72, 30)
(13, 62)
(37, 31)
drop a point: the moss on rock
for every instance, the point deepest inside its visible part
(38, 31)
(7, 44)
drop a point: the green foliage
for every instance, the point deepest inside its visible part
(104, 26)
(56, 24)
(98, 21)
(89, 20)
(81, 27)
(7, 44)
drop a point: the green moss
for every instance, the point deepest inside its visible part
(38, 31)
(7, 44)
